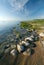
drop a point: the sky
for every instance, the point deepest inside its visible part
(21, 10)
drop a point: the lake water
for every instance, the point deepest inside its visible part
(6, 28)
(7, 25)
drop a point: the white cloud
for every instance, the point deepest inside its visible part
(17, 4)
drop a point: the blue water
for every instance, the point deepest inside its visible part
(6, 29)
(7, 25)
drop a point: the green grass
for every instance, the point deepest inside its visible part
(34, 24)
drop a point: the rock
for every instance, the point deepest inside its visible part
(20, 48)
(14, 52)
(27, 52)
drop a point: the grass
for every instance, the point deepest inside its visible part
(34, 24)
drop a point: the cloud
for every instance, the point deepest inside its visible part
(18, 7)
(17, 4)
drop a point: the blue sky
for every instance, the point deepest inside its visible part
(21, 9)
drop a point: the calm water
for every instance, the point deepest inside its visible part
(7, 25)
(6, 29)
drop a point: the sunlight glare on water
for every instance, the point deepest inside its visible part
(5, 24)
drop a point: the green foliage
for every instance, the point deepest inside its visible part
(38, 21)
(25, 25)
(34, 24)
